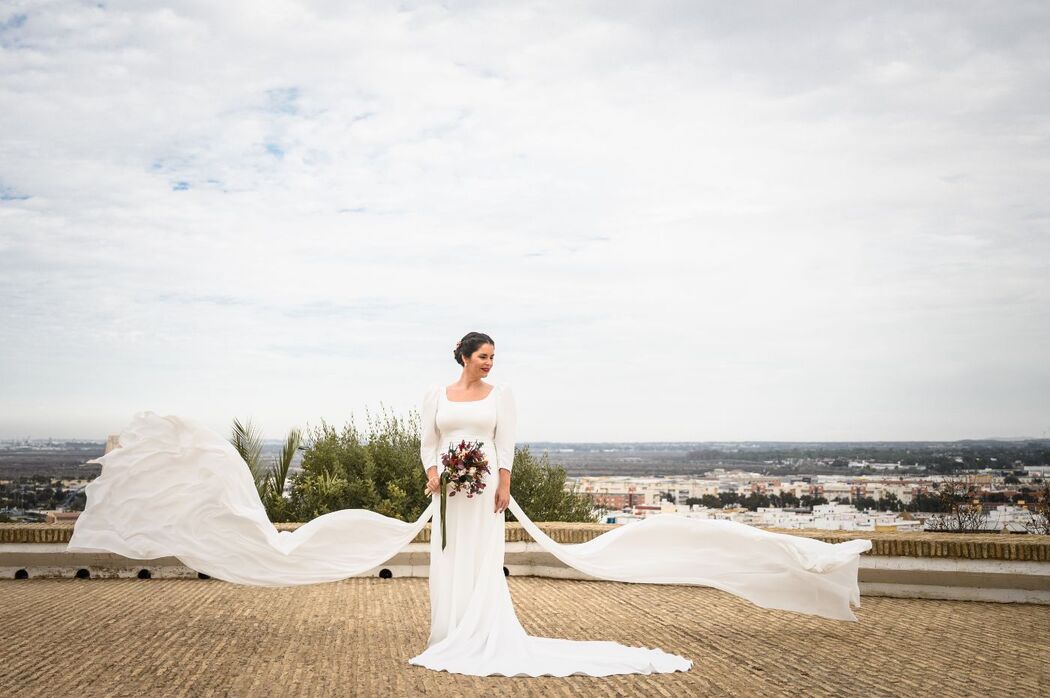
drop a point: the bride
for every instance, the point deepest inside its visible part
(175, 488)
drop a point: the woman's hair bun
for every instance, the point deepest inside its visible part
(469, 344)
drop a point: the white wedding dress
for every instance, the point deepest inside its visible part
(175, 488)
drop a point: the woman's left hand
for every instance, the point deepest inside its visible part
(503, 496)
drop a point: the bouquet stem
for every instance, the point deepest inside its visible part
(444, 499)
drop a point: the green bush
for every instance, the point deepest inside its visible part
(379, 469)
(376, 469)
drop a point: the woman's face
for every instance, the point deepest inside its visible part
(480, 362)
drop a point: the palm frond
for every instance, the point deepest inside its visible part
(247, 440)
(278, 474)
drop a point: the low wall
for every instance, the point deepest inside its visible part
(976, 567)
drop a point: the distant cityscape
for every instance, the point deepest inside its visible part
(880, 502)
(830, 486)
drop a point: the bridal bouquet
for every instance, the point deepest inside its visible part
(465, 469)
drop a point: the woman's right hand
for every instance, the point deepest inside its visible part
(434, 484)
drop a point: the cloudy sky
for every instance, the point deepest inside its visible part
(678, 220)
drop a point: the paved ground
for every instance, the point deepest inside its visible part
(131, 637)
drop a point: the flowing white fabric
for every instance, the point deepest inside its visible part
(175, 488)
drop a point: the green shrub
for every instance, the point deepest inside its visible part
(376, 469)
(379, 469)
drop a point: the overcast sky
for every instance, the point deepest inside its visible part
(679, 221)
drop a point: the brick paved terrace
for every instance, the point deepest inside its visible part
(206, 637)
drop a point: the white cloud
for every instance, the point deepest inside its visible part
(678, 220)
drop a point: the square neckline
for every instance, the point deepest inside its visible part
(444, 393)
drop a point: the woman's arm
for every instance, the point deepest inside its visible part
(506, 432)
(428, 436)
(503, 491)
(506, 428)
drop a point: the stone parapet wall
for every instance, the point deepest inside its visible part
(25, 533)
(978, 546)
(967, 546)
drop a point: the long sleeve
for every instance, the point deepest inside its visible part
(506, 427)
(428, 436)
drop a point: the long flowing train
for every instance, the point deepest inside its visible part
(176, 488)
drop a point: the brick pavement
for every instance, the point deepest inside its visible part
(188, 637)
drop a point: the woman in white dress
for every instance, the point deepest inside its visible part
(473, 627)
(175, 488)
